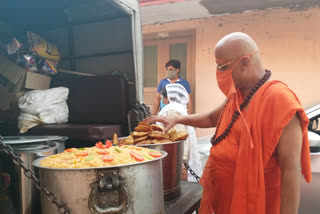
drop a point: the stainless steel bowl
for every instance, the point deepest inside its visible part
(23, 197)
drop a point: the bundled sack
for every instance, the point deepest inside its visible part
(36, 55)
(43, 106)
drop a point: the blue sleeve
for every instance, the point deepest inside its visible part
(187, 87)
(160, 86)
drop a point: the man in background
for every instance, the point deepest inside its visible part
(173, 76)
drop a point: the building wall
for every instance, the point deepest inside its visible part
(289, 42)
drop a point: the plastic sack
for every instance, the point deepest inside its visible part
(43, 106)
(191, 154)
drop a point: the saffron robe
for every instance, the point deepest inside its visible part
(242, 174)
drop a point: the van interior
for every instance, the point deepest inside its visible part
(100, 49)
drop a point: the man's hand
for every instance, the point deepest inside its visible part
(168, 122)
(289, 152)
(200, 120)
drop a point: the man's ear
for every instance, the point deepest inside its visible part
(245, 63)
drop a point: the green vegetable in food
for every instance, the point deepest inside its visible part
(148, 157)
(89, 158)
(117, 149)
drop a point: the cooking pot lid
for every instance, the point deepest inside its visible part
(38, 146)
(31, 139)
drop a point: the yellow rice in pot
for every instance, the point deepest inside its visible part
(97, 157)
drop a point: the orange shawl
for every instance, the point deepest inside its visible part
(270, 110)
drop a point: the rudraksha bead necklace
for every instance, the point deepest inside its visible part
(215, 140)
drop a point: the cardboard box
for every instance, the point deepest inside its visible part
(37, 81)
(14, 78)
(11, 80)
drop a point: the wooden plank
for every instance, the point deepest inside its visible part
(75, 72)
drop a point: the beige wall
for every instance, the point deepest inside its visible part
(289, 42)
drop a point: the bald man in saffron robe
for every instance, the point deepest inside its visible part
(260, 147)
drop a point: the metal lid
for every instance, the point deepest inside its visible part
(30, 147)
(34, 147)
(31, 139)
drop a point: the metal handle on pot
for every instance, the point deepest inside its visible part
(96, 209)
(107, 192)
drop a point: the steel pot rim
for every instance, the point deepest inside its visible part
(36, 163)
(29, 139)
(160, 144)
(56, 146)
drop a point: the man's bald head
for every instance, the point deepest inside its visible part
(235, 45)
(247, 71)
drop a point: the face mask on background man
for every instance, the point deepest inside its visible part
(172, 74)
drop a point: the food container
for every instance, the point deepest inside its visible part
(171, 167)
(14, 140)
(22, 197)
(130, 189)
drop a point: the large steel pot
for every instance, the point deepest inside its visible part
(17, 140)
(171, 167)
(22, 197)
(130, 189)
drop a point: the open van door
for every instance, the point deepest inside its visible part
(95, 38)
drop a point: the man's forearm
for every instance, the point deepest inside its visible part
(155, 107)
(200, 120)
(290, 191)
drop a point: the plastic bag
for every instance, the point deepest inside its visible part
(27, 61)
(36, 55)
(48, 67)
(43, 106)
(14, 46)
(43, 48)
(27, 121)
(122, 74)
(191, 154)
